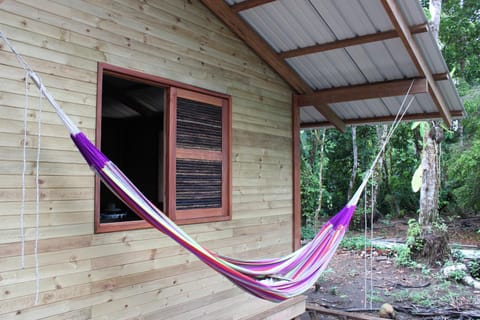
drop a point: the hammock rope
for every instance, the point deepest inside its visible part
(24, 171)
(275, 279)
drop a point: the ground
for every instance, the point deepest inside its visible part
(415, 292)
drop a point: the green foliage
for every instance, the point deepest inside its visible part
(457, 256)
(403, 257)
(416, 297)
(463, 158)
(309, 176)
(414, 233)
(308, 233)
(457, 275)
(460, 168)
(473, 267)
(459, 34)
(355, 243)
(413, 244)
(394, 195)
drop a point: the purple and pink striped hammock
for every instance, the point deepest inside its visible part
(273, 279)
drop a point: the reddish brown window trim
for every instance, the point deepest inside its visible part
(174, 89)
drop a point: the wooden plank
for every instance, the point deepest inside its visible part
(179, 307)
(46, 182)
(47, 194)
(365, 91)
(12, 72)
(296, 175)
(13, 109)
(62, 206)
(343, 43)
(249, 4)
(158, 290)
(47, 245)
(46, 168)
(13, 235)
(288, 309)
(47, 219)
(81, 314)
(407, 117)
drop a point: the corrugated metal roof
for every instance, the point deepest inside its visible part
(288, 25)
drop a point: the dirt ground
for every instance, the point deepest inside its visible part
(359, 282)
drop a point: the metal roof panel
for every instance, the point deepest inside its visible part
(287, 25)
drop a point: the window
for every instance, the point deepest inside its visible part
(172, 140)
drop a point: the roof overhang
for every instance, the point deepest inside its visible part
(350, 62)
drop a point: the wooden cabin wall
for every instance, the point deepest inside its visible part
(140, 273)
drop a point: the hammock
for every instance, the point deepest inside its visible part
(275, 279)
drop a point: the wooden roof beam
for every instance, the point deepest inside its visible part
(264, 51)
(379, 36)
(385, 119)
(248, 4)
(400, 24)
(366, 91)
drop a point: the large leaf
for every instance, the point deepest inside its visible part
(417, 179)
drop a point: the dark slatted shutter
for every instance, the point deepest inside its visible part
(199, 184)
(200, 157)
(199, 125)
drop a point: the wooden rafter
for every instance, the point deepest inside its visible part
(379, 36)
(400, 24)
(248, 4)
(365, 91)
(441, 76)
(264, 51)
(384, 119)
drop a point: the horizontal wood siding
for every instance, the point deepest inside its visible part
(140, 273)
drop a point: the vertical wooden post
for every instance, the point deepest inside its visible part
(297, 214)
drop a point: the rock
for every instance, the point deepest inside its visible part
(460, 270)
(387, 312)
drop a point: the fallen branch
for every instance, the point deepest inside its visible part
(448, 312)
(313, 309)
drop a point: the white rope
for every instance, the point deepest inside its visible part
(72, 128)
(37, 198)
(24, 172)
(369, 175)
(36, 79)
(396, 122)
(365, 298)
(372, 200)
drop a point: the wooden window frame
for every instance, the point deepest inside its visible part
(174, 90)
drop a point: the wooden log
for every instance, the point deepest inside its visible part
(338, 313)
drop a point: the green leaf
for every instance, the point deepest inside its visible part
(417, 179)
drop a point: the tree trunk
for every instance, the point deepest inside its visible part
(430, 162)
(351, 185)
(435, 8)
(316, 217)
(430, 182)
(433, 237)
(382, 132)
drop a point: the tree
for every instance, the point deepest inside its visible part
(355, 163)
(464, 164)
(316, 217)
(434, 239)
(459, 35)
